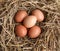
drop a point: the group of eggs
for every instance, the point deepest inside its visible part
(28, 26)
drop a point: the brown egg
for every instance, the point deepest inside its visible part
(30, 21)
(39, 14)
(20, 15)
(20, 31)
(34, 32)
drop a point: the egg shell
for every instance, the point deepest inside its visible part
(39, 14)
(34, 32)
(29, 21)
(20, 30)
(20, 15)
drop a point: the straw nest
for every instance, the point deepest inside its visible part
(49, 40)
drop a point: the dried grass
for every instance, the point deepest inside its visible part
(49, 40)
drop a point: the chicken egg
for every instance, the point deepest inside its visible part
(20, 15)
(34, 32)
(39, 14)
(20, 30)
(29, 21)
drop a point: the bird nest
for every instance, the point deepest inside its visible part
(49, 40)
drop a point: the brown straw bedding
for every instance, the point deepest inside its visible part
(49, 40)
